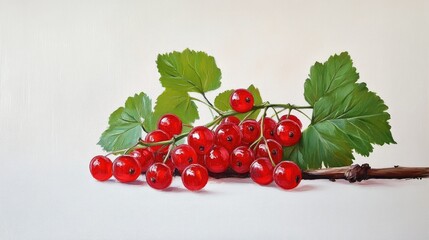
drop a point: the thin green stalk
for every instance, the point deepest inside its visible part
(269, 153)
(169, 151)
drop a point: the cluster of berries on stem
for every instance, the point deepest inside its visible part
(244, 146)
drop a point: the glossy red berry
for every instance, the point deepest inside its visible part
(100, 168)
(269, 128)
(231, 119)
(293, 118)
(144, 157)
(217, 160)
(261, 171)
(171, 124)
(157, 136)
(287, 175)
(228, 135)
(241, 100)
(195, 177)
(202, 160)
(275, 148)
(240, 159)
(288, 133)
(183, 156)
(159, 158)
(201, 139)
(250, 130)
(126, 169)
(159, 176)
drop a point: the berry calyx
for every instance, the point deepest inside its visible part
(171, 124)
(228, 135)
(240, 159)
(274, 147)
(250, 130)
(293, 118)
(288, 133)
(195, 177)
(126, 169)
(144, 158)
(217, 160)
(269, 127)
(241, 100)
(157, 136)
(287, 175)
(100, 168)
(183, 156)
(159, 176)
(261, 171)
(201, 139)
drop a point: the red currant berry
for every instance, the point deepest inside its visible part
(228, 135)
(217, 160)
(261, 171)
(231, 119)
(100, 168)
(250, 130)
(159, 158)
(195, 177)
(126, 169)
(288, 133)
(143, 157)
(275, 148)
(287, 175)
(157, 136)
(269, 128)
(202, 160)
(183, 156)
(201, 139)
(293, 118)
(240, 159)
(241, 100)
(170, 124)
(159, 176)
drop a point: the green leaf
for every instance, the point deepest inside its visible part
(293, 153)
(176, 102)
(189, 71)
(346, 117)
(360, 116)
(325, 78)
(126, 123)
(222, 102)
(321, 144)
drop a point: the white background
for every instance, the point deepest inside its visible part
(66, 65)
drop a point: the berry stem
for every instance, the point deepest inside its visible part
(124, 151)
(170, 148)
(247, 116)
(269, 152)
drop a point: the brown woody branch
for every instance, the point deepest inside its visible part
(353, 173)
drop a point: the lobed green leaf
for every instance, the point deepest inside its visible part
(346, 117)
(126, 123)
(178, 103)
(189, 71)
(325, 78)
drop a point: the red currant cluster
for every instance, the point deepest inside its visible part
(246, 146)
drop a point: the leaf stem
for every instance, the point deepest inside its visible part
(207, 103)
